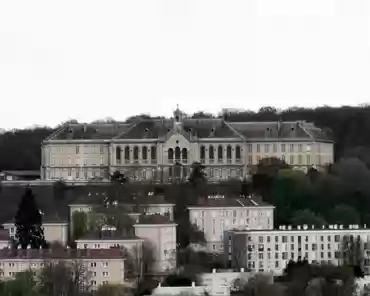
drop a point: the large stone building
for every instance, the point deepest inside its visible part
(164, 149)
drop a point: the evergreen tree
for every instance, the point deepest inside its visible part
(28, 222)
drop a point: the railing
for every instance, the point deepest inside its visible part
(118, 161)
(170, 160)
(136, 161)
(127, 161)
(220, 160)
(178, 159)
(145, 161)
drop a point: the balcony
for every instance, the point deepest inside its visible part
(136, 161)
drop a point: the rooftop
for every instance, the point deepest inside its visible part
(222, 201)
(305, 228)
(154, 219)
(109, 235)
(62, 254)
(201, 128)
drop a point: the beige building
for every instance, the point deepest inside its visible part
(105, 266)
(160, 233)
(54, 231)
(164, 149)
(271, 250)
(217, 214)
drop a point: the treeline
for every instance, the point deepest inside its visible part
(348, 126)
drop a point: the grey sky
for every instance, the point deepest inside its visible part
(94, 59)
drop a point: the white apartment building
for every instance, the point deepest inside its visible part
(216, 214)
(54, 231)
(271, 250)
(164, 149)
(104, 266)
(160, 233)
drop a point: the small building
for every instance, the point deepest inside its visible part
(54, 230)
(271, 250)
(217, 213)
(19, 175)
(103, 266)
(4, 239)
(160, 233)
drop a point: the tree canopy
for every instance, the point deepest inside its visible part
(28, 222)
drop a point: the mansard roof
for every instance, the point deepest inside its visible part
(201, 128)
(301, 130)
(80, 131)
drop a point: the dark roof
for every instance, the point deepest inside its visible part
(109, 236)
(197, 127)
(229, 202)
(154, 219)
(90, 131)
(63, 254)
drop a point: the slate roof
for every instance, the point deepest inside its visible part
(203, 128)
(113, 236)
(228, 202)
(101, 131)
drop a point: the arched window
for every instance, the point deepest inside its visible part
(237, 152)
(118, 154)
(127, 153)
(153, 153)
(202, 152)
(219, 152)
(177, 153)
(144, 153)
(170, 154)
(136, 153)
(211, 153)
(184, 154)
(228, 152)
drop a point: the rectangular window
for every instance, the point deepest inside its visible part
(308, 159)
(250, 148)
(101, 160)
(299, 147)
(291, 159)
(101, 149)
(77, 149)
(274, 148)
(283, 148)
(299, 159)
(258, 148)
(69, 172)
(267, 148)
(291, 148)
(250, 159)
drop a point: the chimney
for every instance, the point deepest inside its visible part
(159, 285)
(365, 226)
(299, 227)
(242, 269)
(193, 284)
(214, 270)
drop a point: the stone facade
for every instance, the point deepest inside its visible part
(164, 149)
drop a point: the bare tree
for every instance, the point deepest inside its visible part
(64, 278)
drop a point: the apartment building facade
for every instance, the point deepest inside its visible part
(54, 231)
(271, 250)
(159, 232)
(217, 214)
(104, 266)
(162, 150)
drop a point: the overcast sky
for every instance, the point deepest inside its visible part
(95, 59)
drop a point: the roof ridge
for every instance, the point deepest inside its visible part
(130, 128)
(235, 131)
